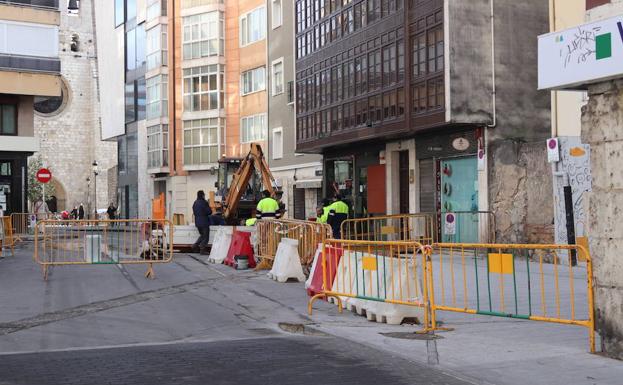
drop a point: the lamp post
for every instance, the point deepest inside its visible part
(94, 164)
(89, 195)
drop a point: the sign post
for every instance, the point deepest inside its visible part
(44, 176)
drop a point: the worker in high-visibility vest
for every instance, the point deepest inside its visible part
(250, 222)
(338, 213)
(268, 207)
(323, 212)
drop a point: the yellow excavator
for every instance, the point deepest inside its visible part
(240, 184)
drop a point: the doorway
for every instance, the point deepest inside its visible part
(403, 181)
(459, 196)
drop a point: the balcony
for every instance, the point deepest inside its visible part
(36, 49)
(51, 4)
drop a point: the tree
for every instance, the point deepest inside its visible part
(35, 188)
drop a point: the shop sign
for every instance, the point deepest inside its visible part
(575, 57)
(460, 144)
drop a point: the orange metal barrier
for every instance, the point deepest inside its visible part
(522, 281)
(271, 231)
(531, 282)
(405, 227)
(7, 240)
(94, 242)
(377, 271)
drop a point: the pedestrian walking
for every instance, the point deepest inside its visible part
(41, 209)
(74, 213)
(202, 212)
(81, 212)
(111, 211)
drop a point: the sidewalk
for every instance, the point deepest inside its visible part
(190, 300)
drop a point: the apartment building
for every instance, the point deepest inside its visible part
(29, 68)
(428, 106)
(300, 175)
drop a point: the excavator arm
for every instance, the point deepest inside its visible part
(253, 162)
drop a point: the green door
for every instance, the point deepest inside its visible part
(459, 195)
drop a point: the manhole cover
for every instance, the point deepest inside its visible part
(412, 336)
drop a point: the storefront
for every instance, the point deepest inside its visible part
(13, 182)
(347, 173)
(449, 183)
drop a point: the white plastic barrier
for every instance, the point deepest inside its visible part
(368, 284)
(287, 264)
(220, 244)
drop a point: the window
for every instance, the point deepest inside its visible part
(290, 92)
(156, 47)
(277, 76)
(5, 168)
(157, 146)
(277, 143)
(253, 26)
(253, 128)
(201, 140)
(130, 50)
(203, 35)
(419, 55)
(156, 8)
(130, 9)
(157, 97)
(203, 88)
(435, 50)
(197, 3)
(253, 80)
(130, 102)
(119, 12)
(277, 13)
(8, 119)
(141, 98)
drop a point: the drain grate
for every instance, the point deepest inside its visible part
(412, 336)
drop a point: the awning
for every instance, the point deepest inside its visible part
(308, 183)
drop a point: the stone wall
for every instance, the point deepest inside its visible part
(520, 186)
(602, 119)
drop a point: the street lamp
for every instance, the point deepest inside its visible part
(89, 194)
(94, 165)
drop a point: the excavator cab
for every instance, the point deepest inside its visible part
(239, 185)
(227, 167)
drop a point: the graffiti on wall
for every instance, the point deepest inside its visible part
(574, 162)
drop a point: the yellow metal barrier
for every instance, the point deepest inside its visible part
(89, 242)
(389, 272)
(532, 282)
(7, 240)
(405, 227)
(271, 231)
(24, 223)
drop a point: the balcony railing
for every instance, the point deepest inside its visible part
(33, 3)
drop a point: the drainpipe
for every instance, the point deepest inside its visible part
(493, 84)
(569, 215)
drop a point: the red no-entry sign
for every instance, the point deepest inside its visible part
(44, 175)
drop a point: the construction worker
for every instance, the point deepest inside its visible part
(250, 222)
(338, 213)
(268, 207)
(323, 212)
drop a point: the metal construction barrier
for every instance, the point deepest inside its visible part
(388, 272)
(523, 281)
(466, 227)
(24, 224)
(531, 282)
(271, 231)
(7, 240)
(405, 227)
(94, 242)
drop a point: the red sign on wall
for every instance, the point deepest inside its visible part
(44, 175)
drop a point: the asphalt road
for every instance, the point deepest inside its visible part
(285, 360)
